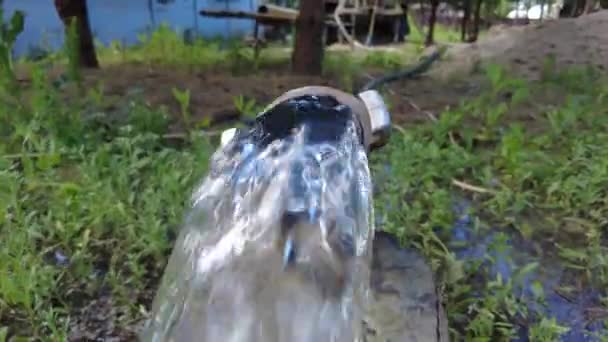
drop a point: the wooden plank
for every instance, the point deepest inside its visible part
(278, 11)
(260, 17)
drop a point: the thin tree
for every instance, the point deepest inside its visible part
(577, 7)
(76, 10)
(432, 20)
(476, 21)
(307, 57)
(466, 16)
(589, 6)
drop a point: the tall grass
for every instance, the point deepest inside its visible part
(165, 46)
(88, 204)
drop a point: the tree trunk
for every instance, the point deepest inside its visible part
(422, 10)
(307, 55)
(476, 21)
(465, 19)
(573, 9)
(432, 19)
(578, 7)
(69, 10)
(404, 24)
(589, 5)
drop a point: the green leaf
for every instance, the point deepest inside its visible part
(537, 290)
(47, 161)
(16, 26)
(4, 163)
(520, 95)
(495, 73)
(527, 269)
(3, 334)
(204, 123)
(69, 188)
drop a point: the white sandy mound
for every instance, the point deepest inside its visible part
(576, 41)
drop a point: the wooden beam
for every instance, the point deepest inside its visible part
(260, 17)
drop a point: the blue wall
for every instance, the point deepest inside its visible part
(124, 20)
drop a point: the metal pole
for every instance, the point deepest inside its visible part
(152, 16)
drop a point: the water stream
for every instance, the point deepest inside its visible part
(277, 245)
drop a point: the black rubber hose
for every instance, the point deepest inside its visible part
(414, 71)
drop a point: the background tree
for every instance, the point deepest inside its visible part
(75, 11)
(466, 16)
(589, 6)
(307, 55)
(432, 20)
(575, 8)
(476, 21)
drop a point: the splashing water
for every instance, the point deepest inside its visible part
(277, 245)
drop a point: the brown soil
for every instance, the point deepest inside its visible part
(212, 93)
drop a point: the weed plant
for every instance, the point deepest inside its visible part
(89, 202)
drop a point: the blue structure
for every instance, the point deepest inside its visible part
(124, 20)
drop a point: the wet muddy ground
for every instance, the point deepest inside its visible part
(572, 302)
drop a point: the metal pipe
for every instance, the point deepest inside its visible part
(368, 106)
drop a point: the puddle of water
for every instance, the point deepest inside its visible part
(571, 311)
(505, 252)
(277, 246)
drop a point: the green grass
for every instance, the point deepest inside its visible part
(442, 33)
(90, 198)
(547, 180)
(80, 198)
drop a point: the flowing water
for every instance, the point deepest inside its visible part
(277, 245)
